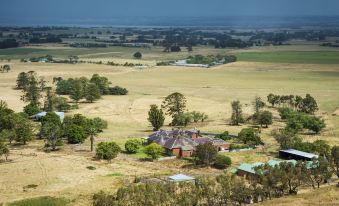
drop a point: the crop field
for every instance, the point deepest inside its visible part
(257, 73)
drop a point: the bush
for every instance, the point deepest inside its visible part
(182, 119)
(224, 136)
(154, 150)
(238, 146)
(75, 134)
(285, 112)
(222, 161)
(264, 118)
(249, 136)
(137, 55)
(31, 109)
(107, 150)
(132, 146)
(117, 90)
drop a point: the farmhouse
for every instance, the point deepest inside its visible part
(183, 143)
(296, 155)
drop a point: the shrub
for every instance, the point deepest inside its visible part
(285, 112)
(137, 55)
(132, 146)
(31, 109)
(117, 90)
(154, 150)
(107, 150)
(222, 161)
(249, 136)
(238, 146)
(75, 134)
(224, 136)
(264, 118)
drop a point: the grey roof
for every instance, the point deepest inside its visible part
(42, 114)
(180, 178)
(300, 153)
(180, 142)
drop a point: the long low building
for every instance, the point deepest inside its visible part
(183, 143)
(296, 155)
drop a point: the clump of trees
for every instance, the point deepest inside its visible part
(38, 95)
(211, 60)
(297, 121)
(249, 136)
(307, 105)
(8, 43)
(14, 126)
(89, 89)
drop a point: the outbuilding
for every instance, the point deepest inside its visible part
(296, 155)
(181, 178)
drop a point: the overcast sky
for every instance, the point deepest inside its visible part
(26, 10)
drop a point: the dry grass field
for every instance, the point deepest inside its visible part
(64, 173)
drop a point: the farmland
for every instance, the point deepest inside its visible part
(295, 69)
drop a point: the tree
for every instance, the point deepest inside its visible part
(7, 134)
(137, 55)
(318, 172)
(314, 124)
(308, 105)
(154, 150)
(92, 92)
(273, 99)
(206, 154)
(286, 138)
(77, 91)
(6, 68)
(4, 150)
(61, 104)
(107, 150)
(31, 109)
(22, 80)
(92, 130)
(117, 91)
(23, 130)
(264, 118)
(258, 104)
(222, 161)
(198, 116)
(52, 131)
(156, 117)
(132, 146)
(236, 117)
(249, 136)
(32, 92)
(335, 159)
(224, 136)
(175, 104)
(75, 134)
(101, 82)
(49, 100)
(182, 119)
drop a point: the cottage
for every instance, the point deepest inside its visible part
(296, 155)
(180, 146)
(219, 144)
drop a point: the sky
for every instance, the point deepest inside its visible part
(31, 11)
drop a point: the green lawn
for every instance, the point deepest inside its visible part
(41, 201)
(301, 57)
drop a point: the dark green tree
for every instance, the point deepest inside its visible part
(107, 150)
(156, 117)
(264, 118)
(236, 117)
(206, 154)
(92, 92)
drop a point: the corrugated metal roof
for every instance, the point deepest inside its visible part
(42, 114)
(180, 178)
(300, 153)
(250, 167)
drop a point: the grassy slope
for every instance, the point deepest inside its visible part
(40, 201)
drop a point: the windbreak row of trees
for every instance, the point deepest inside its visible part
(89, 89)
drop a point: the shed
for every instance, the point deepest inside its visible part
(42, 114)
(181, 178)
(296, 155)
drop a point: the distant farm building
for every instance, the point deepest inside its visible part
(181, 178)
(296, 155)
(183, 143)
(184, 63)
